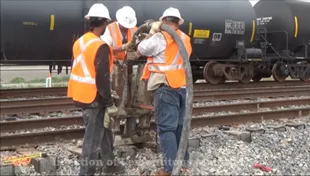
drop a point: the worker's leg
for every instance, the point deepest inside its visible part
(93, 119)
(107, 155)
(166, 104)
(182, 94)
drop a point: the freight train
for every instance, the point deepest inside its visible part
(231, 39)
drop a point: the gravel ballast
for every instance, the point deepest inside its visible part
(286, 153)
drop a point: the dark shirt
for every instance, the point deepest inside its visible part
(102, 69)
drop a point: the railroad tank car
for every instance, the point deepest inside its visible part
(42, 32)
(285, 37)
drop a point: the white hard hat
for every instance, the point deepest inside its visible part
(126, 16)
(173, 12)
(98, 10)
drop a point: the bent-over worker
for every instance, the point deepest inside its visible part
(89, 87)
(117, 35)
(167, 79)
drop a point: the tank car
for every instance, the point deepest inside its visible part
(222, 34)
(284, 36)
(42, 32)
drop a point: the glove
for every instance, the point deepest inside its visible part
(114, 94)
(155, 27)
(112, 110)
(107, 120)
(128, 46)
(132, 55)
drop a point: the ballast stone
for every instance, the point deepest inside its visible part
(45, 165)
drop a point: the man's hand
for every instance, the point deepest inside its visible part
(107, 120)
(156, 27)
(112, 110)
(114, 94)
(128, 46)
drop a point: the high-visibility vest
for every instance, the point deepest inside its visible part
(117, 38)
(173, 65)
(82, 82)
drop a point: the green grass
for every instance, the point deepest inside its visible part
(18, 80)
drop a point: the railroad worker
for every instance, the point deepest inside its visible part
(167, 80)
(89, 87)
(117, 35)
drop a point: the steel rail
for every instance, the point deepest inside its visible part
(32, 92)
(250, 94)
(22, 107)
(14, 140)
(35, 92)
(11, 126)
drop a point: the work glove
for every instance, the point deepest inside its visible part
(112, 110)
(107, 120)
(155, 27)
(132, 55)
(128, 46)
(114, 94)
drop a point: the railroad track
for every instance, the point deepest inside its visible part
(46, 105)
(199, 120)
(61, 91)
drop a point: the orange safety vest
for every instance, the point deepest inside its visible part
(117, 38)
(173, 66)
(82, 82)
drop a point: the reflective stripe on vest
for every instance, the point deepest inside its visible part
(114, 30)
(80, 59)
(163, 68)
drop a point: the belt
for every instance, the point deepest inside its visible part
(165, 85)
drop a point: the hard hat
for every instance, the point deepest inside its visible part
(98, 10)
(173, 12)
(126, 16)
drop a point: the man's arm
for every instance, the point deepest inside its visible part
(107, 37)
(102, 67)
(152, 46)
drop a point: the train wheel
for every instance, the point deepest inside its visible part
(257, 78)
(209, 74)
(306, 77)
(246, 79)
(223, 79)
(277, 72)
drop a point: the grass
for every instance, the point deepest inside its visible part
(19, 80)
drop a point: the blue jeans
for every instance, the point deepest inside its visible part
(169, 114)
(98, 141)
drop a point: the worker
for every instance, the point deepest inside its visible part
(89, 87)
(117, 35)
(121, 31)
(167, 80)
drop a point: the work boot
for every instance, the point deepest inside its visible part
(161, 172)
(185, 171)
(114, 169)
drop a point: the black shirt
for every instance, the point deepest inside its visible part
(102, 69)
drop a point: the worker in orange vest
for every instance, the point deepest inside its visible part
(166, 78)
(89, 87)
(117, 35)
(121, 31)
